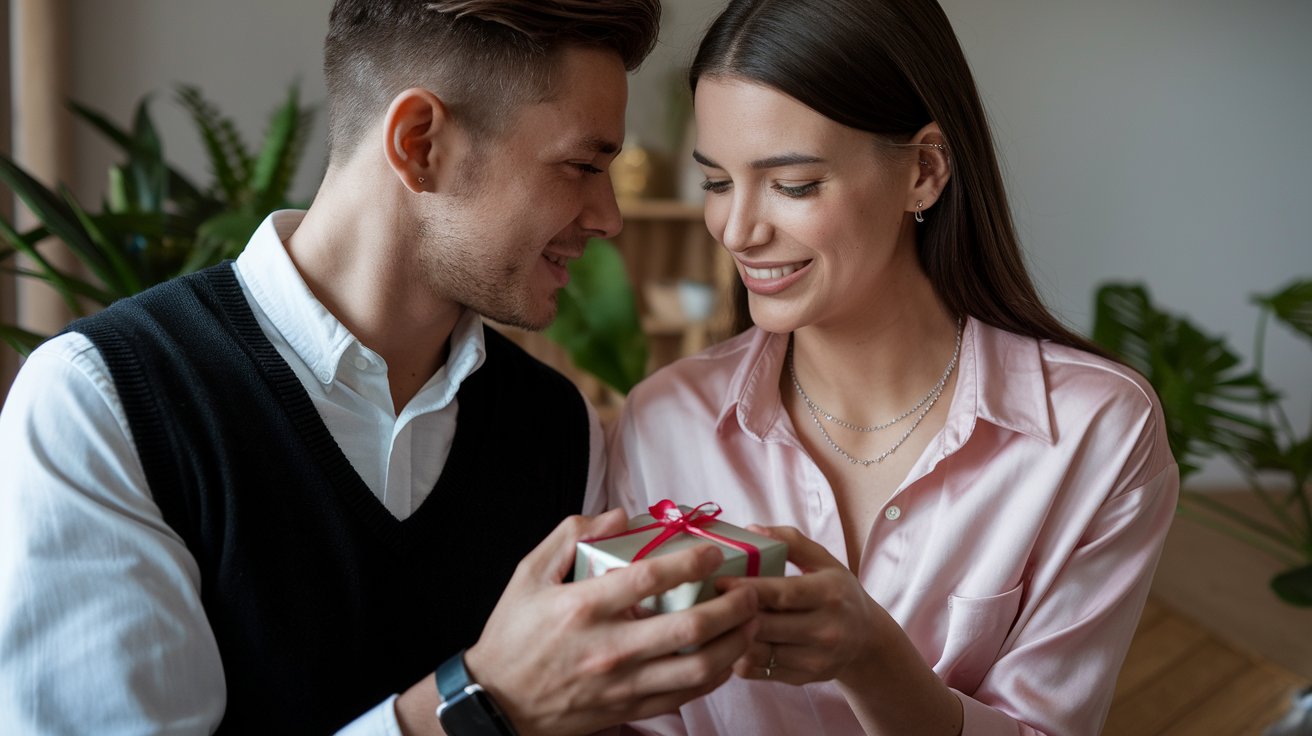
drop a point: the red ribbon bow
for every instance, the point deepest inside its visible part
(668, 514)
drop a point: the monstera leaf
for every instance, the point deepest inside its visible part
(1215, 407)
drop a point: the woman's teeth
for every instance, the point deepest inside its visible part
(772, 273)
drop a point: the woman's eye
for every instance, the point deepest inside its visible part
(797, 191)
(715, 187)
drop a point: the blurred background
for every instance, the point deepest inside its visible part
(1164, 142)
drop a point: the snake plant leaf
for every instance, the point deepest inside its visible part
(1292, 306)
(22, 341)
(278, 159)
(147, 163)
(1294, 586)
(179, 186)
(597, 319)
(108, 128)
(100, 248)
(57, 216)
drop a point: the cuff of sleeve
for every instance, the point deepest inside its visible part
(378, 721)
(978, 719)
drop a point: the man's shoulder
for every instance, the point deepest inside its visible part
(516, 368)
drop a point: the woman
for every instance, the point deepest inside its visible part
(974, 495)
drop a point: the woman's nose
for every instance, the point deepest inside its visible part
(744, 227)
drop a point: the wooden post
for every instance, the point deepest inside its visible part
(42, 137)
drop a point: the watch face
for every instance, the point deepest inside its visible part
(472, 714)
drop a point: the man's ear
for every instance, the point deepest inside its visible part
(933, 168)
(417, 132)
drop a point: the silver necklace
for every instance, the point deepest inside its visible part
(923, 406)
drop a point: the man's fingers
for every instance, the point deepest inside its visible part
(797, 593)
(553, 558)
(697, 626)
(624, 587)
(706, 667)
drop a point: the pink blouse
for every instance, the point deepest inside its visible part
(1016, 555)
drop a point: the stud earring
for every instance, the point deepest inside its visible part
(923, 162)
(421, 180)
(919, 216)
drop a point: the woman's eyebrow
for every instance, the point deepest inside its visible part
(783, 159)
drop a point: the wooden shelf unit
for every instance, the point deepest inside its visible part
(662, 242)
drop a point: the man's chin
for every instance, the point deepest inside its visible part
(532, 320)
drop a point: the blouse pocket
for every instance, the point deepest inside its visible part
(976, 629)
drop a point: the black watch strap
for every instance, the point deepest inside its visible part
(467, 709)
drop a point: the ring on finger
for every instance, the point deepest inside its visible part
(769, 666)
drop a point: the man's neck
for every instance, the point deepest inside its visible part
(355, 251)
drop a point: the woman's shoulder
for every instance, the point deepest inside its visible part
(703, 380)
(1071, 370)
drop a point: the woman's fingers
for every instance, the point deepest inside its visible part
(802, 551)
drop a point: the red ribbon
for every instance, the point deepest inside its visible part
(667, 514)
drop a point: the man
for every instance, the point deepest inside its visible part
(274, 495)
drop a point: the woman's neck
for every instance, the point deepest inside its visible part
(870, 373)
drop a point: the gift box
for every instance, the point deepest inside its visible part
(669, 528)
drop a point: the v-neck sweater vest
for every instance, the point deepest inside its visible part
(321, 601)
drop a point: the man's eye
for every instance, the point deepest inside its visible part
(715, 187)
(588, 168)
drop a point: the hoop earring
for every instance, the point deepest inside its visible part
(421, 180)
(919, 217)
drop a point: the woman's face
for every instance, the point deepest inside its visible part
(816, 217)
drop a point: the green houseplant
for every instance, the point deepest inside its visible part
(154, 222)
(1216, 408)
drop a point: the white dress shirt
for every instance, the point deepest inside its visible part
(101, 625)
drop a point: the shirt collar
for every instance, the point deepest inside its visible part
(315, 335)
(1000, 380)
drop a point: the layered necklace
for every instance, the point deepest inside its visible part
(920, 410)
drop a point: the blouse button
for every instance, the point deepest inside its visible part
(892, 513)
(361, 362)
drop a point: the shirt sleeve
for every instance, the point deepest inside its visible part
(100, 614)
(1057, 671)
(595, 497)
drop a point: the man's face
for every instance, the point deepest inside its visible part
(526, 201)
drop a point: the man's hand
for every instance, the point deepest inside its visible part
(576, 658)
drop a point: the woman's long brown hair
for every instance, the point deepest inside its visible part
(891, 67)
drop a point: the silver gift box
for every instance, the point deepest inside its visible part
(596, 557)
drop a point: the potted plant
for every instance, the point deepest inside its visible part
(154, 223)
(1215, 407)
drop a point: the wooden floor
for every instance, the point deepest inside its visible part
(1180, 680)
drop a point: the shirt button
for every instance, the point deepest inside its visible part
(892, 513)
(361, 363)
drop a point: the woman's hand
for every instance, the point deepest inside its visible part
(815, 627)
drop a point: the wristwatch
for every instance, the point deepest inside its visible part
(467, 709)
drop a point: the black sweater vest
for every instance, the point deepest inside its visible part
(322, 602)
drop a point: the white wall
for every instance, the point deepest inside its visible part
(1158, 140)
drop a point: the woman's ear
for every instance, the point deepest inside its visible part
(417, 129)
(933, 169)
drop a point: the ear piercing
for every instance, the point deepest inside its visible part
(421, 180)
(919, 216)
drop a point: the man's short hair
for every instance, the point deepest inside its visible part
(484, 58)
